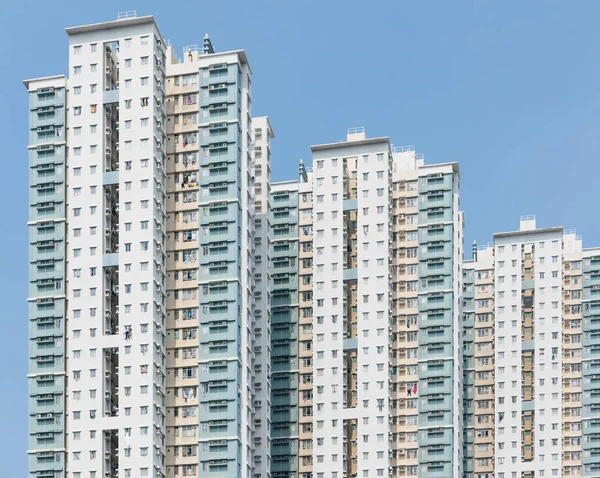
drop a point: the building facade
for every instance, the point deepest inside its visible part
(284, 328)
(46, 378)
(141, 302)
(525, 386)
(368, 386)
(478, 359)
(210, 226)
(190, 317)
(261, 165)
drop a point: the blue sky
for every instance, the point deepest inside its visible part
(508, 89)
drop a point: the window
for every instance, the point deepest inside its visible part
(77, 70)
(144, 60)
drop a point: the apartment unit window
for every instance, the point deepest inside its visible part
(188, 80)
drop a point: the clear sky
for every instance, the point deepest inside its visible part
(509, 89)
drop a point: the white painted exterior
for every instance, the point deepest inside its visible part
(373, 304)
(262, 133)
(140, 421)
(547, 313)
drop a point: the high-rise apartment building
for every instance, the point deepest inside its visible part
(586, 422)
(366, 287)
(97, 155)
(47, 381)
(284, 328)
(529, 344)
(145, 342)
(210, 299)
(478, 355)
(261, 165)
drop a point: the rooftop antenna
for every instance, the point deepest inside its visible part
(302, 171)
(208, 47)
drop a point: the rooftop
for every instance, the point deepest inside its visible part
(125, 19)
(44, 79)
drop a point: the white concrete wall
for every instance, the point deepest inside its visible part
(547, 312)
(133, 214)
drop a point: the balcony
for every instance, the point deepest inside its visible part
(441, 182)
(45, 97)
